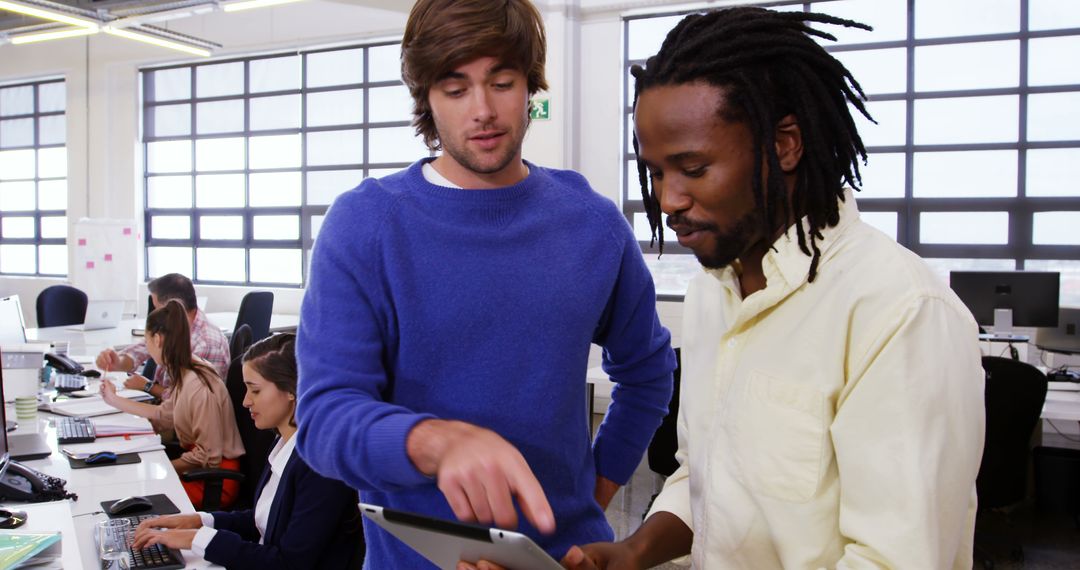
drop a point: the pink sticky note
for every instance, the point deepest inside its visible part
(108, 257)
(89, 264)
(82, 241)
(127, 231)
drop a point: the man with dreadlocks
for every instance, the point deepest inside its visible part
(831, 413)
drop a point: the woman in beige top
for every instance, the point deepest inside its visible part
(198, 408)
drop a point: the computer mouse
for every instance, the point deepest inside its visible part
(91, 373)
(100, 457)
(128, 505)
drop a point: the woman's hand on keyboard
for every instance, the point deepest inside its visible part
(171, 521)
(178, 539)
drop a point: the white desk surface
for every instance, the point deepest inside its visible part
(76, 518)
(1062, 404)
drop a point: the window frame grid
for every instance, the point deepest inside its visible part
(1020, 208)
(36, 213)
(306, 211)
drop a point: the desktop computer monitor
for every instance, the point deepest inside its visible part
(1032, 296)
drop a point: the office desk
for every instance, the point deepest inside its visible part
(75, 518)
(1062, 403)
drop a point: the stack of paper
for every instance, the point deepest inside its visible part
(118, 445)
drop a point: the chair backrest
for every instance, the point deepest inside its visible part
(255, 310)
(61, 305)
(665, 441)
(1015, 393)
(257, 442)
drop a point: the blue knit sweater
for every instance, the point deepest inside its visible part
(478, 305)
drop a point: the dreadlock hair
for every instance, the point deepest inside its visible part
(768, 66)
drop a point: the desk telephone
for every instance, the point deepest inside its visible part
(63, 364)
(21, 483)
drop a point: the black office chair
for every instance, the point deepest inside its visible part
(61, 305)
(665, 442)
(1014, 396)
(255, 310)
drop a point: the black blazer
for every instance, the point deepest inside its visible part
(314, 522)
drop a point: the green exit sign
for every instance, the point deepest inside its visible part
(541, 109)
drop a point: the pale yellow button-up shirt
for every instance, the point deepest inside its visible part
(833, 424)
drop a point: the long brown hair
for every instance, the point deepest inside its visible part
(441, 35)
(171, 322)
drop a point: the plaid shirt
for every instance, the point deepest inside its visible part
(207, 342)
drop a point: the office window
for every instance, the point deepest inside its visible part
(974, 160)
(33, 179)
(243, 157)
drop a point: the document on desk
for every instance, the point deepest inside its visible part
(87, 407)
(117, 445)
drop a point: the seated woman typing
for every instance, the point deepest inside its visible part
(198, 410)
(301, 519)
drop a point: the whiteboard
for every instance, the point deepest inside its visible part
(106, 258)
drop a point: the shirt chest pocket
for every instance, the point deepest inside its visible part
(780, 438)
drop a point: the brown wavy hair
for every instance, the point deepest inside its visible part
(274, 358)
(171, 322)
(442, 35)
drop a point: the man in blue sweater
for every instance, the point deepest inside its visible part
(445, 332)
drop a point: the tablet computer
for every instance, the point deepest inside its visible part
(445, 542)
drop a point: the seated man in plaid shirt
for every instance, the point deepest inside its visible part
(207, 341)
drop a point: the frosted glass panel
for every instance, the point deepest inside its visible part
(52, 259)
(325, 185)
(1053, 172)
(220, 79)
(16, 100)
(672, 272)
(170, 85)
(891, 117)
(964, 227)
(887, 17)
(1054, 116)
(54, 227)
(170, 227)
(219, 191)
(52, 97)
(389, 104)
(279, 151)
(1056, 228)
(52, 162)
(18, 228)
(17, 164)
(16, 132)
(335, 108)
(171, 120)
(647, 34)
(168, 192)
(882, 176)
(936, 19)
(385, 63)
(52, 195)
(276, 266)
(633, 187)
(275, 189)
(168, 156)
(395, 144)
(220, 264)
(275, 112)
(380, 172)
(277, 227)
(963, 120)
(877, 71)
(316, 225)
(221, 227)
(339, 67)
(965, 174)
(980, 65)
(163, 260)
(1045, 57)
(275, 74)
(17, 258)
(1053, 14)
(16, 196)
(219, 154)
(52, 129)
(220, 117)
(335, 147)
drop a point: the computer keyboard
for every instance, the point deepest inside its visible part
(75, 430)
(154, 556)
(68, 382)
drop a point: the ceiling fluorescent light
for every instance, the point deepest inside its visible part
(162, 42)
(249, 4)
(45, 36)
(55, 16)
